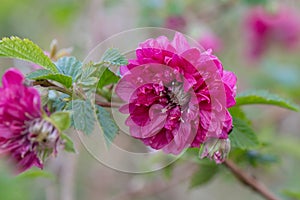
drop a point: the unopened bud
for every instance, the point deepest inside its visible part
(216, 149)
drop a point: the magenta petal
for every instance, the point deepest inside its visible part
(182, 140)
(12, 77)
(180, 43)
(155, 124)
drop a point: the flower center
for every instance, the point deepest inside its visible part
(43, 133)
(177, 95)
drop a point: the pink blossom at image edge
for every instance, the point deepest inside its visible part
(21, 123)
(263, 28)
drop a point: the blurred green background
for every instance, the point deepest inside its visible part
(83, 24)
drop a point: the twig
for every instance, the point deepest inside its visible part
(250, 181)
(52, 86)
(107, 104)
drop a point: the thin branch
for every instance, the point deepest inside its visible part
(108, 104)
(51, 86)
(43, 83)
(98, 99)
(60, 89)
(250, 181)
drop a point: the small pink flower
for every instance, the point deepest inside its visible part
(263, 28)
(176, 96)
(175, 22)
(211, 41)
(25, 136)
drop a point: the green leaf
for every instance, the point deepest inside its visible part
(68, 143)
(35, 173)
(89, 75)
(255, 2)
(107, 77)
(256, 158)
(112, 56)
(292, 194)
(242, 136)
(69, 66)
(25, 49)
(44, 74)
(204, 174)
(83, 116)
(237, 112)
(108, 125)
(38, 73)
(264, 97)
(57, 101)
(61, 120)
(168, 171)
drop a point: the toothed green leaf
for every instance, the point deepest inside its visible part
(108, 125)
(25, 49)
(44, 74)
(264, 97)
(242, 135)
(69, 66)
(83, 116)
(112, 56)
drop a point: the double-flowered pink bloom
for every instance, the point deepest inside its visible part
(25, 136)
(177, 96)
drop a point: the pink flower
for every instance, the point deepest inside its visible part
(176, 96)
(211, 41)
(263, 27)
(25, 136)
(175, 22)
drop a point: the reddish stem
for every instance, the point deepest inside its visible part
(249, 181)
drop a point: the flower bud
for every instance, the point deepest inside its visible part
(216, 149)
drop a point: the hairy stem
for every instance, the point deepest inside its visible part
(52, 86)
(98, 99)
(249, 181)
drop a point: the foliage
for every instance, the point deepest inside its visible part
(25, 49)
(109, 127)
(205, 173)
(264, 97)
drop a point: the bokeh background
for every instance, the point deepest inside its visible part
(220, 24)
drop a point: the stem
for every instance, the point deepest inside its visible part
(250, 181)
(52, 86)
(63, 90)
(107, 104)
